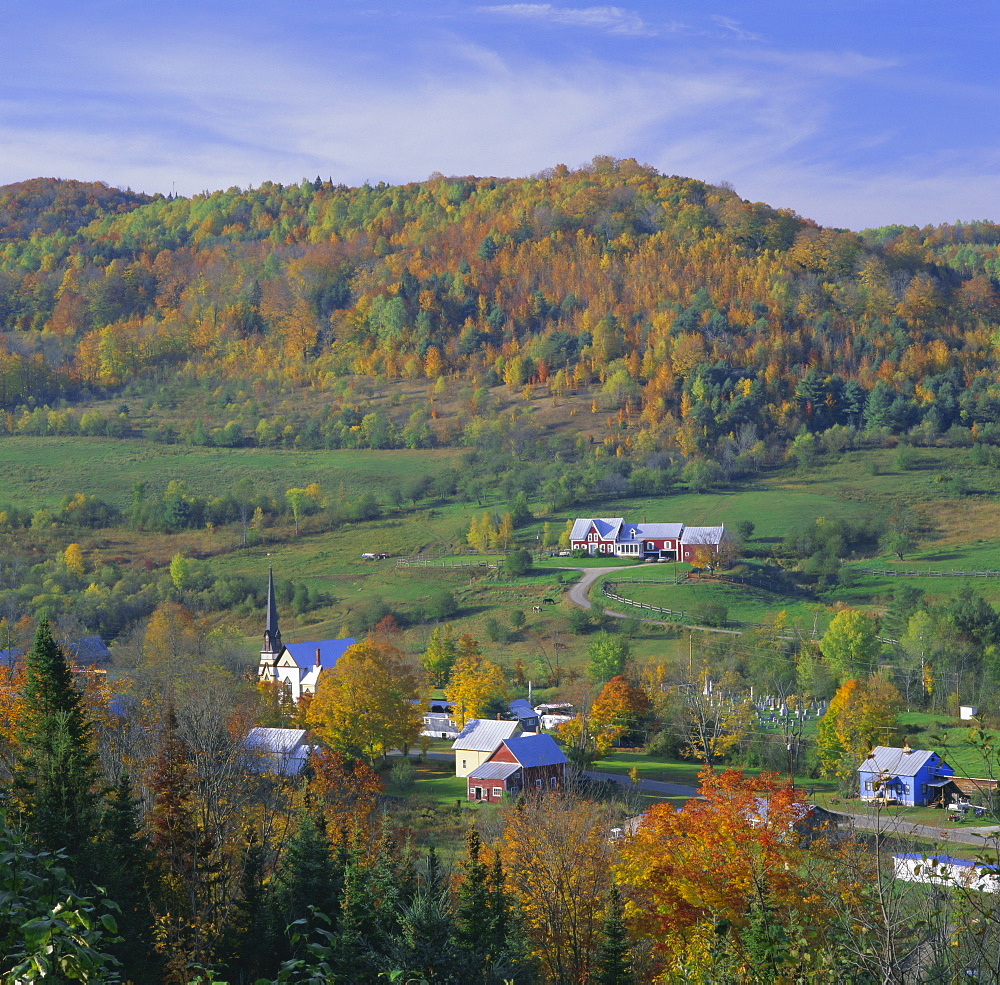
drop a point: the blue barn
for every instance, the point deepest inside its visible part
(914, 777)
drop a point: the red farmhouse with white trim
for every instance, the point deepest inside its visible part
(522, 763)
(649, 541)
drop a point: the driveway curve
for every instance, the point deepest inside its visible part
(578, 591)
(577, 594)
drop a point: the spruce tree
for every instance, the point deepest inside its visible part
(500, 909)
(56, 778)
(249, 943)
(352, 958)
(425, 944)
(612, 966)
(310, 879)
(473, 910)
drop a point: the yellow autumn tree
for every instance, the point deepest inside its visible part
(482, 534)
(505, 532)
(171, 636)
(73, 559)
(716, 722)
(474, 681)
(861, 714)
(12, 680)
(369, 702)
(560, 849)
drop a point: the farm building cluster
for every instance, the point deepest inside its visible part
(612, 536)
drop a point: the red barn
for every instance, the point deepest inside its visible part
(522, 763)
(702, 541)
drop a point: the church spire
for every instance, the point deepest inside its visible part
(272, 635)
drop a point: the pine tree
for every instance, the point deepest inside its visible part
(612, 966)
(56, 778)
(425, 943)
(501, 917)
(186, 854)
(351, 959)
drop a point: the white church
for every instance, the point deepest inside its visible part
(295, 665)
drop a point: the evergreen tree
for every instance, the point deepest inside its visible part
(130, 880)
(351, 958)
(310, 879)
(500, 910)
(391, 886)
(612, 966)
(56, 778)
(425, 944)
(472, 912)
(186, 853)
(249, 943)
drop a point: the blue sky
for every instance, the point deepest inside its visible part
(851, 113)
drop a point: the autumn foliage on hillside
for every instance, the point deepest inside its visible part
(701, 322)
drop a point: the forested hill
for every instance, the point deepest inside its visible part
(48, 206)
(696, 318)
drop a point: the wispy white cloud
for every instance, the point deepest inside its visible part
(811, 64)
(911, 192)
(735, 28)
(614, 20)
(773, 119)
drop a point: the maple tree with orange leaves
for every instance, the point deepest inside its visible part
(742, 848)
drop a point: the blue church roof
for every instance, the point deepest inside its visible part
(330, 651)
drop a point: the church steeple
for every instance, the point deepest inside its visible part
(273, 647)
(272, 635)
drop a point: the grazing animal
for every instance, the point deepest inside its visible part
(536, 608)
(549, 601)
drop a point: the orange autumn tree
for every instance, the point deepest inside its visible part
(344, 790)
(621, 708)
(12, 677)
(714, 866)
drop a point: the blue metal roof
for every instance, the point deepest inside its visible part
(330, 651)
(535, 750)
(945, 860)
(10, 656)
(521, 708)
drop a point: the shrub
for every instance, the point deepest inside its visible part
(710, 613)
(402, 774)
(496, 632)
(442, 605)
(517, 563)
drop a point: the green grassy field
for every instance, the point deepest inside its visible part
(747, 606)
(41, 471)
